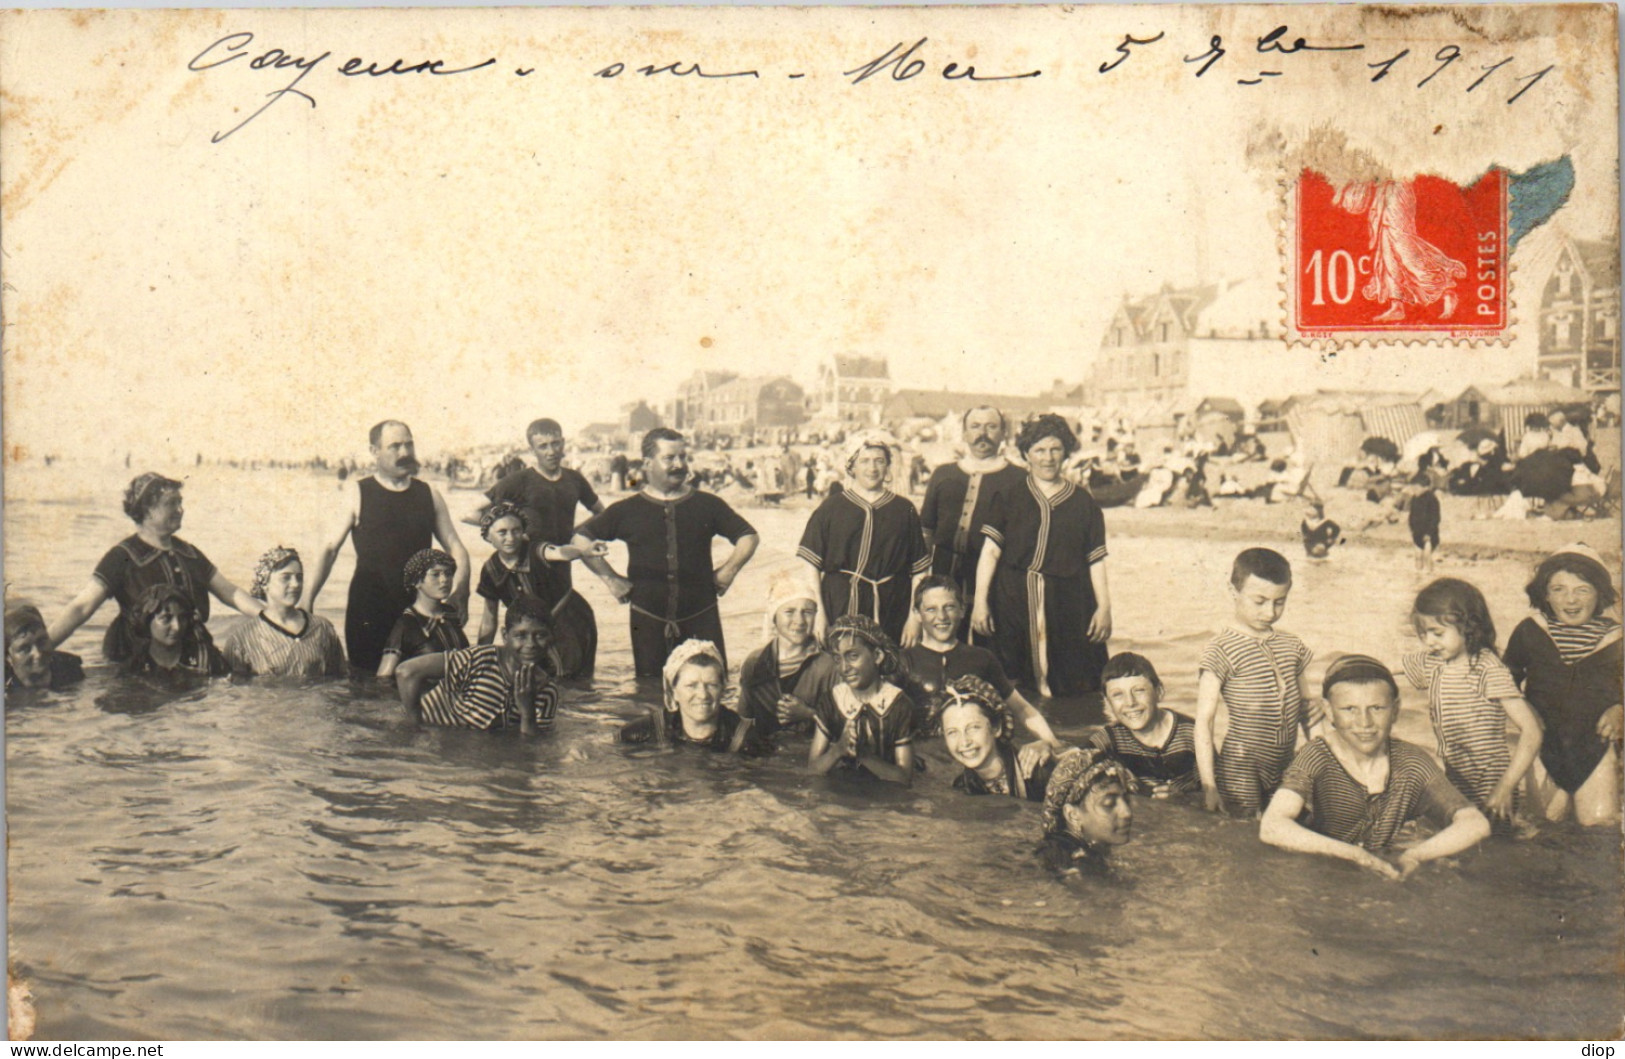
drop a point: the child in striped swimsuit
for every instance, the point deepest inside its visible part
(1470, 696)
(1158, 746)
(1261, 674)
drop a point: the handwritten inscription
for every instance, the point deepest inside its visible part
(235, 46)
(291, 74)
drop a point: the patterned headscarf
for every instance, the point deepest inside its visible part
(270, 563)
(501, 510)
(418, 567)
(682, 655)
(974, 691)
(870, 439)
(867, 630)
(1077, 772)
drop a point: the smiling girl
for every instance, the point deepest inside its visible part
(1471, 696)
(977, 729)
(1567, 659)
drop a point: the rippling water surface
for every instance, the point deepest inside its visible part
(276, 862)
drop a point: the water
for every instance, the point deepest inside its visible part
(272, 862)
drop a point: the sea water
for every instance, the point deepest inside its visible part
(273, 861)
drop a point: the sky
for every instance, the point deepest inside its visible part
(469, 252)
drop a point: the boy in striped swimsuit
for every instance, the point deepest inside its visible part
(1261, 674)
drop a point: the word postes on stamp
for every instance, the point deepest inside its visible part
(1397, 260)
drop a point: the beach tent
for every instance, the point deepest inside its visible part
(1329, 426)
(1511, 403)
(1396, 422)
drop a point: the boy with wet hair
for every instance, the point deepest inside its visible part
(1261, 675)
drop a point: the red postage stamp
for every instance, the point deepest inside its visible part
(1397, 260)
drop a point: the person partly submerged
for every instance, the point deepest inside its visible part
(693, 683)
(31, 661)
(978, 729)
(1087, 811)
(1348, 792)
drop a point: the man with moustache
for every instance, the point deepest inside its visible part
(668, 526)
(393, 515)
(957, 501)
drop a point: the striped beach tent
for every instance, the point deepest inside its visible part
(1396, 422)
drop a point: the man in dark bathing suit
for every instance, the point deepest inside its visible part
(393, 515)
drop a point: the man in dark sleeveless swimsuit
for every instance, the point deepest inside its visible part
(393, 515)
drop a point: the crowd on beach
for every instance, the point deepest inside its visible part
(954, 620)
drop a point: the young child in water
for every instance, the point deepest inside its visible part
(977, 728)
(1086, 811)
(428, 626)
(31, 662)
(1261, 675)
(1158, 746)
(1320, 534)
(1470, 696)
(865, 721)
(171, 641)
(693, 681)
(940, 658)
(1567, 657)
(1423, 519)
(520, 569)
(488, 687)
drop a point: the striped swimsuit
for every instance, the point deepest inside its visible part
(1464, 703)
(478, 693)
(1340, 807)
(1259, 681)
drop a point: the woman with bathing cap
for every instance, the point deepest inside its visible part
(1086, 811)
(284, 641)
(782, 679)
(694, 682)
(1566, 657)
(864, 543)
(152, 555)
(1347, 793)
(1041, 588)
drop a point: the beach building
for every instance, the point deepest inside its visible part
(905, 405)
(750, 404)
(1163, 354)
(1579, 316)
(687, 409)
(638, 418)
(851, 390)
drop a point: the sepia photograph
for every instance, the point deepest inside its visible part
(830, 523)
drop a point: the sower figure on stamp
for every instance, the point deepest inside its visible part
(549, 495)
(393, 515)
(958, 498)
(668, 526)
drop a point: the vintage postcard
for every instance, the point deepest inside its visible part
(851, 523)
